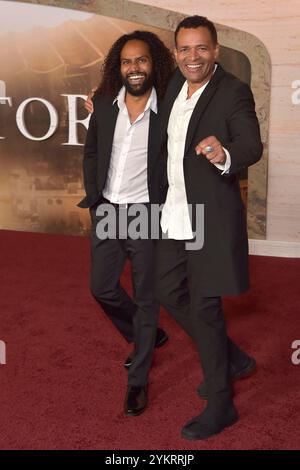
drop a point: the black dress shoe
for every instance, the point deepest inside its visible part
(136, 400)
(210, 422)
(161, 338)
(245, 371)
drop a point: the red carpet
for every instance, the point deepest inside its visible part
(63, 385)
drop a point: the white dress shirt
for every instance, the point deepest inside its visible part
(175, 218)
(127, 174)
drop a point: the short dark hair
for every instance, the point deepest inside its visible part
(193, 22)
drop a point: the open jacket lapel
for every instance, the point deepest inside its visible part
(108, 124)
(202, 104)
(174, 88)
(153, 141)
(172, 92)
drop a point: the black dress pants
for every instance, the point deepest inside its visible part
(201, 317)
(108, 257)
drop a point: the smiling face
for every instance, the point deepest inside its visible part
(136, 67)
(196, 54)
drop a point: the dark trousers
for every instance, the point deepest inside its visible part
(178, 290)
(135, 318)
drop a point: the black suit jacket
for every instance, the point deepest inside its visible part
(226, 110)
(97, 153)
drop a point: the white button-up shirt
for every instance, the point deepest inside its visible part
(127, 174)
(175, 218)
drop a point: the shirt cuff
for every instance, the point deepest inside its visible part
(225, 166)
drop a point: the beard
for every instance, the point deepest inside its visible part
(138, 90)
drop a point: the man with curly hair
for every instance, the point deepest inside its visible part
(120, 170)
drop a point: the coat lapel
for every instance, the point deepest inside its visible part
(202, 104)
(110, 112)
(172, 92)
(174, 88)
(108, 128)
(154, 140)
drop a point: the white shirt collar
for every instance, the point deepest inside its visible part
(151, 103)
(197, 93)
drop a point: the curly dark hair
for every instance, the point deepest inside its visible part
(163, 64)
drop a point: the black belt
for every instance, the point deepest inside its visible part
(122, 206)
